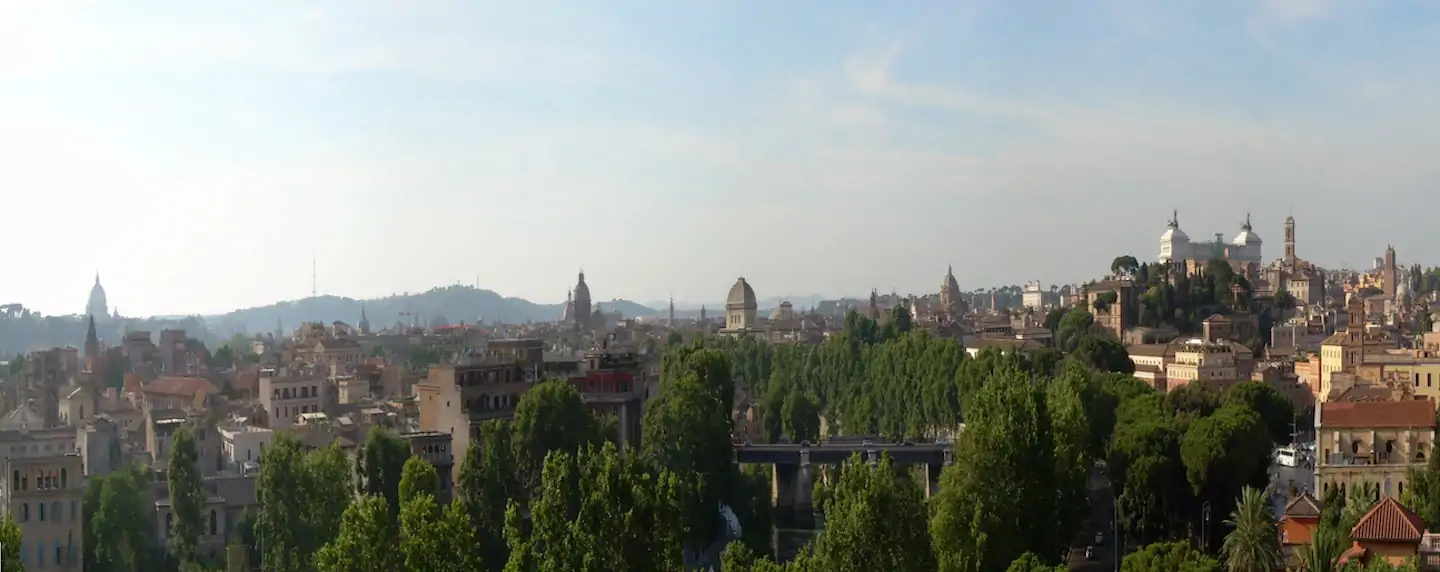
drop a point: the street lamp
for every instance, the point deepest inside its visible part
(1115, 529)
(1205, 527)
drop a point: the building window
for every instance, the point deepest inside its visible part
(213, 530)
(64, 478)
(40, 553)
(56, 514)
(25, 512)
(42, 511)
(59, 553)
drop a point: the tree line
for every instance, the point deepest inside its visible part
(552, 491)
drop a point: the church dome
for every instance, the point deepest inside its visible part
(1173, 234)
(741, 297)
(96, 304)
(949, 284)
(1247, 235)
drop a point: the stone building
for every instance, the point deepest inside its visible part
(290, 391)
(1372, 442)
(740, 308)
(1181, 254)
(43, 495)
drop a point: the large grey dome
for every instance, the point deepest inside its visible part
(741, 297)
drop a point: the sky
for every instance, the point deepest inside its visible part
(199, 156)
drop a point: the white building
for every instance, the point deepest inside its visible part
(241, 444)
(1175, 245)
(1033, 296)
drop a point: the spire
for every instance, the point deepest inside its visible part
(92, 341)
(1175, 218)
(1246, 226)
(97, 277)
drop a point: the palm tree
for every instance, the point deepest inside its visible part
(1323, 552)
(1254, 543)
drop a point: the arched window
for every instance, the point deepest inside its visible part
(213, 529)
(25, 512)
(42, 511)
(64, 478)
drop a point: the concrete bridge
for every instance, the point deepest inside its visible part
(793, 480)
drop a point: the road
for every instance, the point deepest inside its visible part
(1102, 517)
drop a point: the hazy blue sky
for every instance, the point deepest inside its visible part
(196, 152)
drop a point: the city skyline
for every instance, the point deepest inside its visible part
(667, 152)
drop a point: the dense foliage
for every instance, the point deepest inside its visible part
(550, 492)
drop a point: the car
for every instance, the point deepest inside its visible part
(804, 443)
(1099, 538)
(1089, 552)
(866, 443)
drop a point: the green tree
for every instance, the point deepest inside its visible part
(687, 430)
(1169, 557)
(119, 517)
(1422, 493)
(801, 416)
(1001, 502)
(737, 558)
(488, 482)
(379, 464)
(1253, 543)
(223, 359)
(10, 541)
(1222, 454)
(597, 511)
(1124, 264)
(365, 542)
(289, 533)
(875, 520)
(1358, 501)
(1323, 552)
(187, 498)
(419, 478)
(1275, 409)
(1029, 562)
(437, 540)
(550, 417)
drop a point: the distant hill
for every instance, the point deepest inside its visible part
(455, 303)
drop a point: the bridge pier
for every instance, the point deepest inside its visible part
(782, 488)
(932, 478)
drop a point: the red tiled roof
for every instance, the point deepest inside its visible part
(184, 386)
(1378, 414)
(1304, 506)
(1389, 521)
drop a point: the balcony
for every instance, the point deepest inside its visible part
(1332, 459)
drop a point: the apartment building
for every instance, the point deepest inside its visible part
(43, 495)
(289, 391)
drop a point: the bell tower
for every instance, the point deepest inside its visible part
(1290, 240)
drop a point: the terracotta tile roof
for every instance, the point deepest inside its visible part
(1389, 521)
(1378, 414)
(1151, 350)
(184, 386)
(1303, 506)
